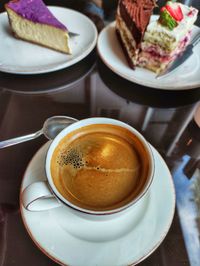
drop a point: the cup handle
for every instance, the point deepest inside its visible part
(38, 197)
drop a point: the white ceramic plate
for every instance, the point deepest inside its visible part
(21, 57)
(70, 240)
(185, 77)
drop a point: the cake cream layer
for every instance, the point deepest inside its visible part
(127, 40)
(152, 63)
(155, 58)
(157, 50)
(169, 39)
(42, 34)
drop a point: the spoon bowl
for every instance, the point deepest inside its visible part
(53, 125)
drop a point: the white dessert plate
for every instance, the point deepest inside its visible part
(184, 78)
(70, 240)
(21, 57)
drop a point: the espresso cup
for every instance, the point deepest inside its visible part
(94, 167)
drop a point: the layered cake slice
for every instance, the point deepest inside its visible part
(157, 43)
(167, 37)
(32, 21)
(132, 19)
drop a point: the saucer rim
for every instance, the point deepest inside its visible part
(54, 258)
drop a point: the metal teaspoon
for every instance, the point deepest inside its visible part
(51, 127)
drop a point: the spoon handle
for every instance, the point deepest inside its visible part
(10, 142)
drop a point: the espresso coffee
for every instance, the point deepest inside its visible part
(100, 167)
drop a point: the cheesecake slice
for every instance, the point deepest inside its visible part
(32, 21)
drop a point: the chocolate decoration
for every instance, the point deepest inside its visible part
(136, 15)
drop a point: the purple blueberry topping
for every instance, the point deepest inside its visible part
(36, 11)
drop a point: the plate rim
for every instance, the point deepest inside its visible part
(53, 256)
(46, 69)
(135, 80)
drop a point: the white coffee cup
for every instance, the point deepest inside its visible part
(41, 196)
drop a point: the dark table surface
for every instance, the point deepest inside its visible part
(89, 89)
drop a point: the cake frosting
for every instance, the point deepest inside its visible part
(163, 38)
(32, 21)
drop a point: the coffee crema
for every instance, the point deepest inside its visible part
(100, 167)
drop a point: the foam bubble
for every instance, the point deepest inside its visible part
(72, 157)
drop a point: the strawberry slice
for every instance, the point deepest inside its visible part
(175, 11)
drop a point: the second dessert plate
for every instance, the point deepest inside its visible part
(184, 78)
(21, 57)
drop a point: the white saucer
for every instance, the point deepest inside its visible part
(69, 240)
(184, 78)
(21, 57)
